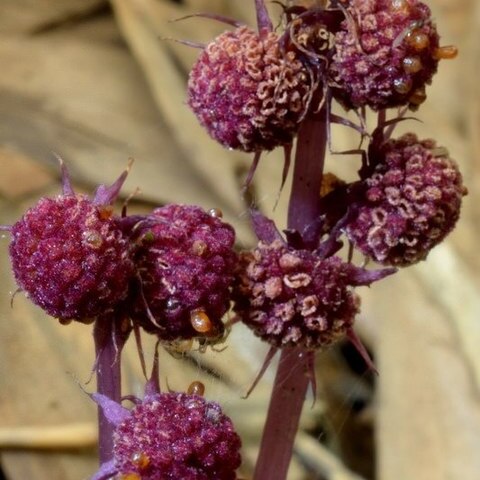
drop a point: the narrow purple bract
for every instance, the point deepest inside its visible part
(247, 93)
(411, 202)
(173, 436)
(185, 262)
(71, 258)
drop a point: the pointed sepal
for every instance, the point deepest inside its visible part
(266, 363)
(106, 195)
(152, 387)
(106, 471)
(360, 347)
(264, 228)
(113, 411)
(361, 276)
(67, 188)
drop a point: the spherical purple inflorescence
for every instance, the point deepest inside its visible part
(185, 261)
(172, 436)
(246, 92)
(70, 257)
(386, 52)
(411, 202)
(293, 297)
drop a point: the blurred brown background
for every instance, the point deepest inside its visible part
(96, 82)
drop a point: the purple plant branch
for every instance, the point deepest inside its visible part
(292, 378)
(263, 18)
(211, 16)
(109, 341)
(303, 209)
(187, 43)
(251, 171)
(152, 387)
(287, 157)
(288, 395)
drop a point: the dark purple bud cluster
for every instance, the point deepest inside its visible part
(297, 298)
(411, 201)
(172, 436)
(247, 93)
(71, 258)
(171, 270)
(251, 91)
(385, 54)
(185, 262)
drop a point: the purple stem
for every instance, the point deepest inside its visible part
(304, 205)
(107, 348)
(292, 378)
(263, 18)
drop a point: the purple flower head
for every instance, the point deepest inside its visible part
(70, 256)
(411, 201)
(386, 52)
(171, 436)
(291, 297)
(247, 93)
(185, 261)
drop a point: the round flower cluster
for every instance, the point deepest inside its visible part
(185, 262)
(171, 270)
(386, 52)
(411, 202)
(71, 258)
(172, 436)
(246, 92)
(293, 297)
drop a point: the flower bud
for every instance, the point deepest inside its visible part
(71, 258)
(177, 436)
(185, 262)
(246, 92)
(411, 202)
(293, 297)
(386, 52)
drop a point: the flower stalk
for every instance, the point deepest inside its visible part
(292, 377)
(108, 345)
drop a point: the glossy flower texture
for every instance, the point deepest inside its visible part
(70, 256)
(248, 94)
(411, 202)
(386, 52)
(295, 298)
(185, 262)
(170, 436)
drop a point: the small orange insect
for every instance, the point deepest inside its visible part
(140, 460)
(196, 388)
(201, 322)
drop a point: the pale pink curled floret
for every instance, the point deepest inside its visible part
(71, 258)
(247, 92)
(385, 54)
(293, 298)
(411, 202)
